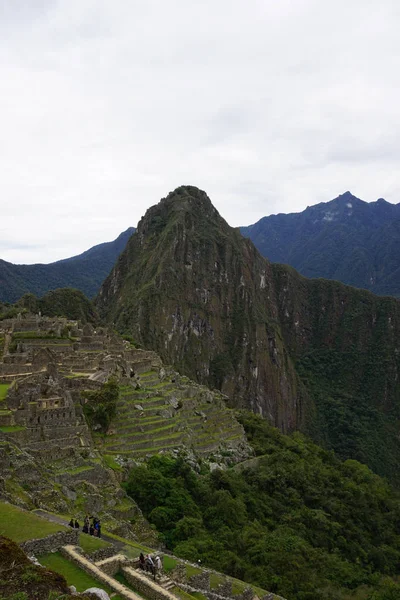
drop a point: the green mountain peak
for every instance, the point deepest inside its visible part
(313, 355)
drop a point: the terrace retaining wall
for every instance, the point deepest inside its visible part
(50, 543)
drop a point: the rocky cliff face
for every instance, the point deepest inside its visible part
(194, 290)
(314, 355)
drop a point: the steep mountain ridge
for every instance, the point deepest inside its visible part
(312, 355)
(84, 272)
(346, 239)
(194, 290)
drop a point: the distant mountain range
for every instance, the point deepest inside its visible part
(346, 239)
(85, 272)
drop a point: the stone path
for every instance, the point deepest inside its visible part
(55, 519)
(89, 567)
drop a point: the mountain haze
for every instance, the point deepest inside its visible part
(85, 272)
(346, 239)
(314, 355)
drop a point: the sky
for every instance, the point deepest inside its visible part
(268, 106)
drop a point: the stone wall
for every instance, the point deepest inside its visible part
(201, 581)
(113, 564)
(145, 586)
(102, 577)
(51, 543)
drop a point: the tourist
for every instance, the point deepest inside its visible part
(98, 528)
(150, 565)
(71, 523)
(86, 525)
(141, 561)
(91, 529)
(76, 524)
(157, 565)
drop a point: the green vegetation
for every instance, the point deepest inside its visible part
(85, 272)
(169, 563)
(199, 596)
(77, 470)
(61, 302)
(332, 348)
(215, 580)
(72, 573)
(122, 579)
(10, 311)
(3, 390)
(296, 521)
(12, 428)
(101, 405)
(181, 593)
(191, 571)
(22, 580)
(20, 525)
(37, 335)
(131, 549)
(90, 544)
(111, 462)
(347, 249)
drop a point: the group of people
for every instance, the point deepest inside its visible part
(150, 564)
(92, 528)
(74, 523)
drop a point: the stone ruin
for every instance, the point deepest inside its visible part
(48, 362)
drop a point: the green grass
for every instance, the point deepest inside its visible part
(169, 563)
(11, 428)
(124, 505)
(190, 571)
(90, 544)
(131, 549)
(121, 578)
(181, 593)
(216, 580)
(238, 587)
(77, 470)
(21, 526)
(199, 596)
(3, 390)
(111, 462)
(72, 573)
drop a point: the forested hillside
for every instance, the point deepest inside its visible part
(309, 355)
(346, 239)
(62, 302)
(295, 520)
(85, 272)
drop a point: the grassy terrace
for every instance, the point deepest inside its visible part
(12, 428)
(131, 549)
(77, 470)
(72, 573)
(90, 544)
(21, 526)
(3, 390)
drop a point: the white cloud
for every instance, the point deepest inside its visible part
(270, 107)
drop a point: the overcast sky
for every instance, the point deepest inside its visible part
(106, 106)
